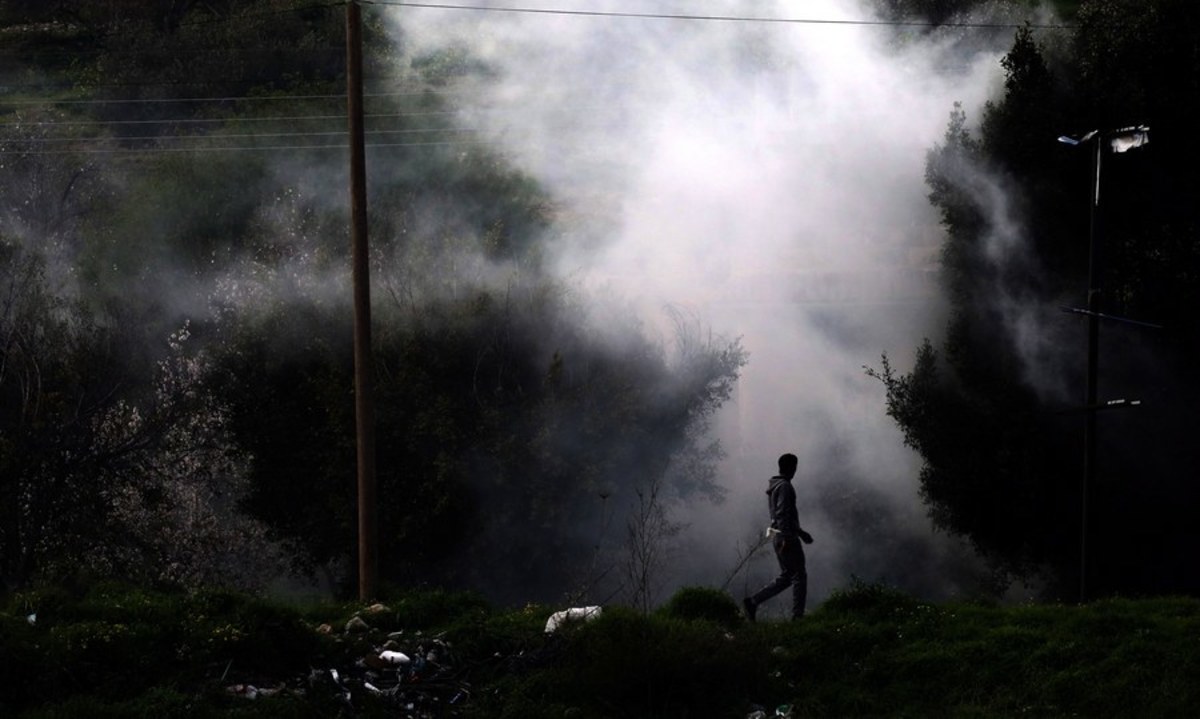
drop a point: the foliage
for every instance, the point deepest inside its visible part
(115, 650)
(990, 412)
(221, 47)
(935, 12)
(702, 603)
(648, 665)
(862, 599)
(105, 480)
(433, 608)
(649, 533)
(118, 643)
(500, 402)
(496, 415)
(984, 450)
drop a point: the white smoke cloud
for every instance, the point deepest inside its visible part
(767, 177)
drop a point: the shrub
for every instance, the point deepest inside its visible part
(253, 635)
(869, 601)
(436, 608)
(658, 666)
(702, 603)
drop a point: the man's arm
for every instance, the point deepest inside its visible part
(787, 511)
(783, 512)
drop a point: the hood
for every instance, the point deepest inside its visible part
(775, 482)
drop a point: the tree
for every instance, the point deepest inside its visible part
(101, 476)
(504, 409)
(501, 421)
(991, 414)
(994, 470)
(58, 372)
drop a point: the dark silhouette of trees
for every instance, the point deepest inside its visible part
(1003, 462)
(175, 329)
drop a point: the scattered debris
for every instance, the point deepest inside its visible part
(783, 711)
(356, 625)
(395, 658)
(416, 678)
(249, 691)
(557, 619)
(246, 691)
(378, 608)
(325, 629)
(32, 619)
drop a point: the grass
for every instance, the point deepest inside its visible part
(114, 651)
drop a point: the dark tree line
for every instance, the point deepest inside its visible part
(990, 410)
(175, 364)
(175, 350)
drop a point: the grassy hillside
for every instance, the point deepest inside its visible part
(119, 651)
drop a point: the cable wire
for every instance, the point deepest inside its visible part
(235, 136)
(714, 18)
(218, 120)
(164, 100)
(203, 83)
(228, 98)
(25, 54)
(240, 148)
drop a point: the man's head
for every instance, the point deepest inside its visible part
(787, 465)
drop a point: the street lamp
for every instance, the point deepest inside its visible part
(1119, 141)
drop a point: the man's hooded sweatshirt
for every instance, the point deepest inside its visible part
(781, 498)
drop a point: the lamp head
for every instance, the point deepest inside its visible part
(1068, 140)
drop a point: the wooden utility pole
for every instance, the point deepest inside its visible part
(364, 405)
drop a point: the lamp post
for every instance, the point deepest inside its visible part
(1120, 141)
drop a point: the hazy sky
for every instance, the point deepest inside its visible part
(766, 177)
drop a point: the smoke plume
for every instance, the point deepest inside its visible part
(768, 178)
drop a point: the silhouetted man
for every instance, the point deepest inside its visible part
(786, 536)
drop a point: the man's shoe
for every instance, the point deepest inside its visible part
(750, 608)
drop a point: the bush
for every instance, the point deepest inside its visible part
(436, 608)
(501, 633)
(869, 601)
(658, 666)
(26, 674)
(250, 634)
(702, 603)
(114, 644)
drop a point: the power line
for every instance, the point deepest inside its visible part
(24, 54)
(232, 148)
(237, 136)
(67, 87)
(228, 98)
(217, 120)
(716, 18)
(339, 97)
(174, 121)
(164, 100)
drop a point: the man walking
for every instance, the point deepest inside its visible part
(786, 536)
